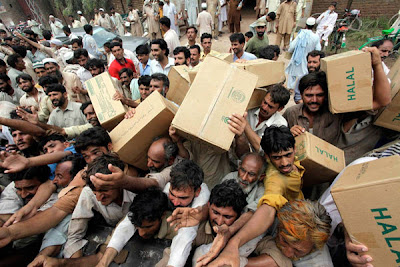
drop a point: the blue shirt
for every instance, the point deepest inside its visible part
(146, 70)
(54, 165)
(37, 57)
(246, 56)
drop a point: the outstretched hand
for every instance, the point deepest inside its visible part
(109, 181)
(13, 162)
(185, 217)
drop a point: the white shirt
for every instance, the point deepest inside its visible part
(169, 10)
(172, 40)
(83, 75)
(327, 18)
(155, 66)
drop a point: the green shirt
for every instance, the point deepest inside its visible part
(254, 44)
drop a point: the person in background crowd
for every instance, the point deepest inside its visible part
(285, 22)
(118, 22)
(237, 45)
(204, 21)
(326, 22)
(82, 19)
(260, 40)
(170, 36)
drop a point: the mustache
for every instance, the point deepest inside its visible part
(284, 166)
(314, 103)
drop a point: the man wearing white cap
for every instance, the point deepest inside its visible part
(82, 19)
(105, 20)
(259, 40)
(204, 20)
(56, 26)
(305, 42)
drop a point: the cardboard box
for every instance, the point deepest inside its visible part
(390, 115)
(349, 77)
(101, 90)
(268, 71)
(179, 83)
(256, 98)
(228, 57)
(367, 197)
(218, 91)
(132, 137)
(321, 160)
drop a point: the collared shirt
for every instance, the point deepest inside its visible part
(15, 98)
(245, 56)
(281, 188)
(155, 66)
(83, 75)
(30, 101)
(327, 18)
(325, 125)
(256, 192)
(37, 57)
(172, 40)
(91, 46)
(146, 69)
(253, 119)
(13, 74)
(116, 66)
(83, 212)
(71, 116)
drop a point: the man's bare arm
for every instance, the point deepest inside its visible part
(253, 137)
(23, 126)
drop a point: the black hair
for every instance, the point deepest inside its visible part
(13, 59)
(142, 50)
(272, 15)
(162, 44)
(88, 28)
(24, 76)
(183, 49)
(229, 194)
(95, 136)
(77, 40)
(128, 71)
(195, 47)
(266, 52)
(316, 53)
(114, 44)
(277, 139)
(41, 173)
(192, 27)
(47, 80)
(161, 77)
(78, 163)
(94, 62)
(2, 31)
(186, 174)
(55, 87)
(171, 149)
(237, 37)
(249, 34)
(378, 43)
(145, 80)
(150, 205)
(166, 22)
(117, 39)
(85, 105)
(81, 52)
(20, 50)
(9, 38)
(333, 4)
(2, 63)
(107, 44)
(205, 36)
(46, 34)
(66, 29)
(313, 79)
(29, 32)
(279, 94)
(4, 77)
(53, 137)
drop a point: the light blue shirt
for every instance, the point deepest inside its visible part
(245, 56)
(91, 46)
(146, 70)
(37, 57)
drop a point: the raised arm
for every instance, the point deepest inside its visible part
(24, 126)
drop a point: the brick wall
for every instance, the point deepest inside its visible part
(137, 4)
(369, 8)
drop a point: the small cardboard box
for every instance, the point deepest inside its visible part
(101, 90)
(367, 197)
(218, 91)
(132, 137)
(179, 83)
(256, 98)
(390, 116)
(321, 160)
(349, 77)
(268, 71)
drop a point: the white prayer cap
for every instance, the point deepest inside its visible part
(49, 60)
(101, 9)
(51, 17)
(146, 2)
(69, 55)
(56, 42)
(38, 64)
(311, 21)
(204, 5)
(79, 12)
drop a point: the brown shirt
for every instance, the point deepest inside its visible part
(204, 234)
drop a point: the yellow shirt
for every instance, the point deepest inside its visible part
(281, 188)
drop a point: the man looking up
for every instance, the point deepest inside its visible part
(182, 56)
(259, 40)
(120, 62)
(160, 52)
(194, 56)
(237, 45)
(170, 36)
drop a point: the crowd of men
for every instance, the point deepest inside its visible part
(68, 200)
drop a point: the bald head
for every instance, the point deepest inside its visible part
(161, 154)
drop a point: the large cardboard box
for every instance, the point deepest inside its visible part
(218, 91)
(228, 57)
(256, 98)
(349, 77)
(321, 160)
(101, 90)
(268, 71)
(132, 137)
(367, 197)
(390, 116)
(179, 83)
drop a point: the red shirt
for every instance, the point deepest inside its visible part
(115, 67)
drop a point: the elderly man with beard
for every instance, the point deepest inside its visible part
(70, 81)
(259, 40)
(313, 65)
(8, 92)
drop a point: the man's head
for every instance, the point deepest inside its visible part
(101, 12)
(275, 100)
(52, 18)
(45, 81)
(126, 76)
(314, 60)
(117, 50)
(159, 49)
(92, 143)
(39, 69)
(82, 56)
(57, 94)
(206, 42)
(181, 56)
(88, 110)
(226, 203)
(314, 91)
(53, 143)
(270, 52)
(303, 227)
(47, 34)
(3, 34)
(159, 82)
(271, 16)
(76, 44)
(67, 30)
(385, 47)
(52, 67)
(5, 83)
(3, 67)
(106, 47)
(23, 141)
(130, 7)
(250, 171)
(260, 27)
(88, 29)
(112, 10)
(332, 6)
(100, 165)
(237, 42)
(117, 39)
(165, 23)
(278, 145)
(143, 53)
(248, 35)
(144, 86)
(95, 66)
(25, 82)
(186, 180)
(161, 154)
(16, 61)
(27, 182)
(147, 211)
(191, 34)
(194, 55)
(67, 168)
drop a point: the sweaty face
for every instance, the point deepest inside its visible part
(313, 98)
(237, 47)
(118, 52)
(180, 59)
(260, 31)
(22, 140)
(194, 57)
(248, 172)
(156, 85)
(54, 146)
(268, 108)
(313, 64)
(25, 85)
(157, 53)
(125, 79)
(182, 197)
(40, 72)
(385, 49)
(148, 229)
(156, 160)
(221, 215)
(57, 98)
(92, 152)
(283, 161)
(106, 197)
(62, 175)
(294, 251)
(144, 91)
(27, 189)
(82, 60)
(191, 34)
(206, 44)
(51, 68)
